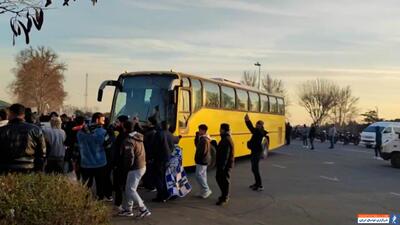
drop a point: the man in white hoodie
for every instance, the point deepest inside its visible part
(3, 118)
(202, 159)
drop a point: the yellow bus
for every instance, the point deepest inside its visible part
(186, 101)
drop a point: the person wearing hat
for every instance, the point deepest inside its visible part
(256, 147)
(224, 162)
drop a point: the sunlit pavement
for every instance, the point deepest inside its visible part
(324, 186)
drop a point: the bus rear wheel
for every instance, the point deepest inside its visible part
(395, 160)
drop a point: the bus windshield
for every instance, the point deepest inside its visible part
(144, 96)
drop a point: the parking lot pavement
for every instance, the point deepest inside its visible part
(323, 186)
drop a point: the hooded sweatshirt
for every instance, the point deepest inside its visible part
(133, 152)
(203, 148)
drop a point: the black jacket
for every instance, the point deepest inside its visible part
(255, 143)
(225, 157)
(149, 138)
(23, 147)
(312, 133)
(164, 144)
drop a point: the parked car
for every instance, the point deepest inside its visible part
(388, 129)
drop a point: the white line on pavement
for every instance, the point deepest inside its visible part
(329, 163)
(279, 166)
(330, 178)
(394, 193)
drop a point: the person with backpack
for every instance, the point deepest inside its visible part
(134, 164)
(225, 159)
(255, 144)
(202, 159)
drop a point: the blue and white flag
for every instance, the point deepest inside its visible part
(177, 182)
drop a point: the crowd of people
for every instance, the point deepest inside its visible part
(117, 156)
(309, 134)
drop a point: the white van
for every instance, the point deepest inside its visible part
(388, 129)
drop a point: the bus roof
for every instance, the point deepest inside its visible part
(213, 80)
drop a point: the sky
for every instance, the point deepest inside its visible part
(354, 42)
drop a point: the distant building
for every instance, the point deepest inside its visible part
(4, 104)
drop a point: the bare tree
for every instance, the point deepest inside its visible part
(318, 97)
(39, 79)
(273, 86)
(346, 109)
(249, 79)
(26, 14)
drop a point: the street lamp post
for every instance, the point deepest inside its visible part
(259, 74)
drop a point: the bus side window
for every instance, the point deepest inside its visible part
(264, 104)
(273, 104)
(242, 100)
(184, 108)
(228, 97)
(254, 102)
(197, 92)
(212, 93)
(281, 106)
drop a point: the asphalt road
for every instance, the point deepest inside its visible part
(323, 186)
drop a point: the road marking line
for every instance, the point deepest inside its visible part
(330, 178)
(329, 163)
(279, 166)
(359, 151)
(394, 193)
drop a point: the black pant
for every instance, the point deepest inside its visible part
(255, 167)
(88, 174)
(55, 166)
(148, 178)
(160, 182)
(288, 139)
(223, 179)
(119, 178)
(312, 142)
(108, 186)
(378, 147)
(305, 143)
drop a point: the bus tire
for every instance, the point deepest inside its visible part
(213, 155)
(395, 160)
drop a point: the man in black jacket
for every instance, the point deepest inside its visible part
(256, 146)
(23, 146)
(119, 176)
(164, 142)
(224, 162)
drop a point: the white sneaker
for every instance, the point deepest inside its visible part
(379, 158)
(206, 195)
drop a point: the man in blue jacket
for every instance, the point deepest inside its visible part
(93, 156)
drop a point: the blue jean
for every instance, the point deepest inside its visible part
(131, 194)
(201, 177)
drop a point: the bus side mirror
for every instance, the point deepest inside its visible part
(172, 96)
(103, 85)
(100, 95)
